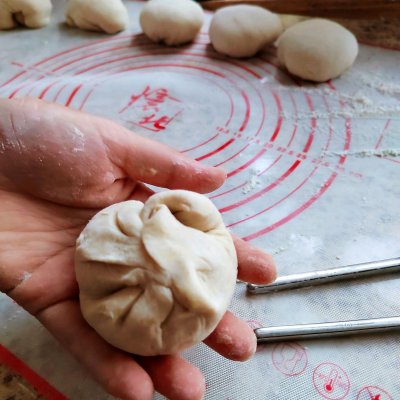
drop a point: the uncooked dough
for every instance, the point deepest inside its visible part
(243, 30)
(172, 22)
(31, 13)
(108, 16)
(317, 49)
(156, 278)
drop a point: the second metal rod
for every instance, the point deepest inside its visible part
(326, 330)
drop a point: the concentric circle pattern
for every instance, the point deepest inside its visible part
(228, 113)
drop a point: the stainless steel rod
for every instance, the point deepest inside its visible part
(308, 279)
(326, 330)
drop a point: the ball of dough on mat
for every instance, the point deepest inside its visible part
(317, 49)
(31, 13)
(108, 16)
(243, 30)
(156, 278)
(172, 22)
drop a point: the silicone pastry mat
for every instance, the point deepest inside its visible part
(313, 177)
(19, 382)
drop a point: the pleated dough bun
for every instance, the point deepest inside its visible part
(156, 278)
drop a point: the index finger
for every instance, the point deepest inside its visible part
(154, 163)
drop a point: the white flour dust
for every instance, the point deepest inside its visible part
(79, 140)
(352, 111)
(357, 104)
(381, 83)
(279, 250)
(252, 182)
(25, 276)
(364, 153)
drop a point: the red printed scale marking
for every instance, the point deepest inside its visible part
(247, 136)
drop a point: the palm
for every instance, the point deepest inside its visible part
(43, 213)
(40, 254)
(42, 249)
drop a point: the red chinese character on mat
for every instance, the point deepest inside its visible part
(152, 109)
(149, 99)
(155, 123)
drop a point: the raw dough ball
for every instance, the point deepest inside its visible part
(172, 22)
(317, 49)
(31, 13)
(243, 30)
(109, 16)
(156, 278)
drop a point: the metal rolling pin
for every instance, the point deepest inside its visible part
(308, 279)
(326, 330)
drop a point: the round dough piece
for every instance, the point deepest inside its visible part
(172, 22)
(317, 49)
(31, 13)
(156, 278)
(243, 30)
(108, 16)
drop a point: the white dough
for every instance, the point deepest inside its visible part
(156, 278)
(31, 13)
(172, 22)
(243, 30)
(108, 16)
(317, 49)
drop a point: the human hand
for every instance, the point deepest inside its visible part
(58, 168)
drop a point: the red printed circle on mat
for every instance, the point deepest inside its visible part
(253, 324)
(331, 381)
(249, 128)
(290, 358)
(373, 393)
